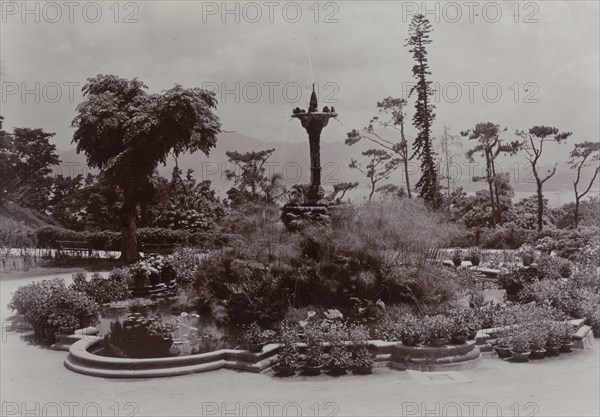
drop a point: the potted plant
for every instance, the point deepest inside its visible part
(140, 274)
(437, 329)
(503, 349)
(287, 360)
(336, 333)
(527, 255)
(566, 343)
(410, 330)
(474, 256)
(464, 323)
(457, 257)
(553, 341)
(314, 354)
(538, 334)
(168, 273)
(339, 360)
(255, 338)
(519, 346)
(362, 359)
(313, 360)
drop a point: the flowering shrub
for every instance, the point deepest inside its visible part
(513, 281)
(577, 296)
(538, 333)
(256, 335)
(104, 290)
(49, 306)
(464, 321)
(560, 294)
(288, 354)
(520, 341)
(437, 327)
(185, 262)
(152, 270)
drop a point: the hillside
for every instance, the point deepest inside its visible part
(28, 217)
(292, 160)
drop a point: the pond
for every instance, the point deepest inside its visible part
(160, 330)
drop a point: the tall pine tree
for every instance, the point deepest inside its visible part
(428, 184)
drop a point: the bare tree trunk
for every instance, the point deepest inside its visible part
(488, 172)
(577, 197)
(498, 211)
(372, 190)
(129, 247)
(407, 179)
(540, 211)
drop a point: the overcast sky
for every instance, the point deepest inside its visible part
(540, 65)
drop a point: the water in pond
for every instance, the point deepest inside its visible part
(155, 331)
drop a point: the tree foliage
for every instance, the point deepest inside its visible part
(490, 146)
(533, 144)
(379, 167)
(26, 161)
(391, 115)
(252, 183)
(585, 154)
(428, 184)
(126, 133)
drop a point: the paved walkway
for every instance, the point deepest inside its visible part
(34, 380)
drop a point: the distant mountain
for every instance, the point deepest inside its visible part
(292, 161)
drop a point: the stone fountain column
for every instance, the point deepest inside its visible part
(314, 122)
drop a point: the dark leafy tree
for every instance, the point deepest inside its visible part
(525, 213)
(27, 158)
(474, 211)
(428, 184)
(533, 144)
(89, 203)
(379, 167)
(185, 203)
(391, 115)
(251, 181)
(343, 188)
(126, 133)
(490, 146)
(585, 154)
(8, 163)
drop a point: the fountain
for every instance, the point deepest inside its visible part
(313, 121)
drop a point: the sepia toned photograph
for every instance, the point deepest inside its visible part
(300, 208)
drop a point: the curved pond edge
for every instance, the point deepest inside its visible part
(81, 359)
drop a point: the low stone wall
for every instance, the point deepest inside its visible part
(82, 359)
(429, 359)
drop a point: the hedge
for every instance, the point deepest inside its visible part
(108, 240)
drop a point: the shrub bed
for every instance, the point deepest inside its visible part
(104, 290)
(50, 307)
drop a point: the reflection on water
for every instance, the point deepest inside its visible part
(155, 331)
